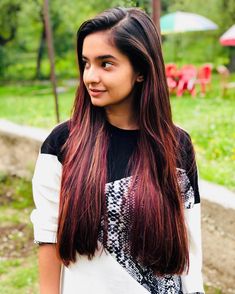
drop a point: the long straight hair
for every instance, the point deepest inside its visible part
(158, 237)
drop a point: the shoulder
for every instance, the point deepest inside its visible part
(183, 137)
(56, 139)
(185, 149)
(187, 169)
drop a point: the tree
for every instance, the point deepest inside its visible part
(145, 4)
(22, 33)
(41, 46)
(156, 12)
(8, 21)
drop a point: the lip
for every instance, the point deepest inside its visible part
(96, 92)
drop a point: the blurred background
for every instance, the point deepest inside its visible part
(38, 80)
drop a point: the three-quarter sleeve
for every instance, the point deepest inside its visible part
(46, 184)
(46, 193)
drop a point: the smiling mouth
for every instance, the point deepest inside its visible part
(96, 92)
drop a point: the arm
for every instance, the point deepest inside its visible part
(46, 185)
(49, 269)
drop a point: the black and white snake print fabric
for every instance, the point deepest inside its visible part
(185, 188)
(118, 244)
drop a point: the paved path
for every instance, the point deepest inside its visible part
(23, 131)
(209, 191)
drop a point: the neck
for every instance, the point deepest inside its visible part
(122, 117)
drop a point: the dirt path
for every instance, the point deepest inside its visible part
(218, 223)
(17, 155)
(218, 235)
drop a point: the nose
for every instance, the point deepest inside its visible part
(91, 75)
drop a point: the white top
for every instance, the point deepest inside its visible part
(112, 270)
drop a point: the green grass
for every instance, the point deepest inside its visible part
(18, 263)
(212, 290)
(33, 105)
(210, 120)
(19, 276)
(15, 190)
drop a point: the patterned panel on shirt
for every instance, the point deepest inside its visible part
(118, 205)
(185, 188)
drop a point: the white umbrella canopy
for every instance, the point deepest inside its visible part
(228, 38)
(180, 22)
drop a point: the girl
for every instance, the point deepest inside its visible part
(115, 187)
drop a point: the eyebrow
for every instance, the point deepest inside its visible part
(101, 57)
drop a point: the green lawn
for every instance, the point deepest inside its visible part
(33, 105)
(210, 121)
(18, 262)
(211, 124)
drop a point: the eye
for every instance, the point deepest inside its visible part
(85, 63)
(106, 64)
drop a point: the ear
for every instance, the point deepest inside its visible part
(140, 78)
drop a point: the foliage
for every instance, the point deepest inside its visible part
(8, 20)
(18, 57)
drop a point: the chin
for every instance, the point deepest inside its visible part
(99, 102)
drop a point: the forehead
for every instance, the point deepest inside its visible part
(99, 44)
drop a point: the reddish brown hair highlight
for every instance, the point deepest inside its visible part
(158, 236)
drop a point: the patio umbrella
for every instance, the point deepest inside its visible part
(180, 22)
(228, 38)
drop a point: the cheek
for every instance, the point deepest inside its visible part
(84, 78)
(124, 80)
(122, 89)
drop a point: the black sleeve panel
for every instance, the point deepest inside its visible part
(55, 141)
(187, 161)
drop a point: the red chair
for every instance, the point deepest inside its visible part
(171, 68)
(204, 77)
(171, 76)
(187, 79)
(225, 82)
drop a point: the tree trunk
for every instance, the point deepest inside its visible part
(156, 11)
(40, 51)
(50, 47)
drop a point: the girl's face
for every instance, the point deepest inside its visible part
(108, 74)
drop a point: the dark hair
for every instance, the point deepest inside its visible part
(158, 236)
